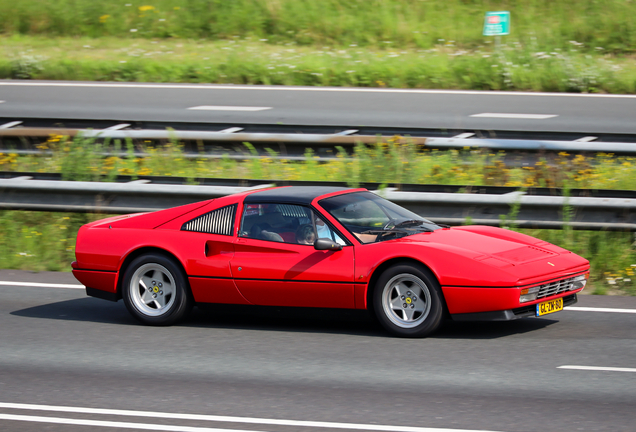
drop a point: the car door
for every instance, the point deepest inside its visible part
(275, 263)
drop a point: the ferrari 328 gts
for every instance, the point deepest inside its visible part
(322, 247)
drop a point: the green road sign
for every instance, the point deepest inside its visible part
(497, 23)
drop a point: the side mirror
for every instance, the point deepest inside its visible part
(327, 244)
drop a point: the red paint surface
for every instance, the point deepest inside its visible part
(471, 300)
(283, 274)
(360, 294)
(95, 279)
(206, 290)
(300, 294)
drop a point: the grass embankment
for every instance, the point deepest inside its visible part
(548, 24)
(45, 241)
(554, 46)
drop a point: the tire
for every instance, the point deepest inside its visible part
(156, 291)
(408, 301)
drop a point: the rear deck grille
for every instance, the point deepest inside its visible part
(554, 288)
(220, 221)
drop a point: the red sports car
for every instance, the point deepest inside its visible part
(322, 247)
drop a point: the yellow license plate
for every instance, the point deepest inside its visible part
(550, 307)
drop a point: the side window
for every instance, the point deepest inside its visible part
(284, 223)
(220, 221)
(324, 231)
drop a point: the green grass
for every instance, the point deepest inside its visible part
(611, 254)
(513, 67)
(39, 241)
(560, 45)
(394, 161)
(44, 241)
(546, 24)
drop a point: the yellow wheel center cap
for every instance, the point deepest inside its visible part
(155, 289)
(408, 300)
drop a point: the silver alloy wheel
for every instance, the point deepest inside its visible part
(406, 300)
(152, 289)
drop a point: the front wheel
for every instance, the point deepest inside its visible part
(407, 301)
(155, 290)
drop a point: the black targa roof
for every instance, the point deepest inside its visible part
(302, 195)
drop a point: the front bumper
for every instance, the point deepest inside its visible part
(510, 314)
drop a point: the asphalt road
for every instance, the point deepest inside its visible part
(349, 107)
(62, 349)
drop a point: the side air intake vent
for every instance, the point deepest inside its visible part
(220, 221)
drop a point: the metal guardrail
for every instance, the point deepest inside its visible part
(533, 145)
(612, 214)
(533, 211)
(344, 138)
(219, 136)
(23, 193)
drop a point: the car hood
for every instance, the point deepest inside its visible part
(522, 258)
(501, 244)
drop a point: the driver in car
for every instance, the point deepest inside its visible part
(305, 235)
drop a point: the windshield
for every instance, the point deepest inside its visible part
(373, 219)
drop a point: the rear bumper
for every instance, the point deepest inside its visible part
(509, 314)
(100, 284)
(92, 292)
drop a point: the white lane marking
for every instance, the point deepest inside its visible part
(312, 89)
(76, 286)
(231, 130)
(117, 127)
(10, 124)
(592, 309)
(1, 101)
(227, 419)
(44, 285)
(228, 108)
(112, 424)
(598, 368)
(515, 116)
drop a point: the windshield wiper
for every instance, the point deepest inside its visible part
(409, 223)
(382, 231)
(394, 230)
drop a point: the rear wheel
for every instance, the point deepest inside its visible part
(407, 301)
(155, 290)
